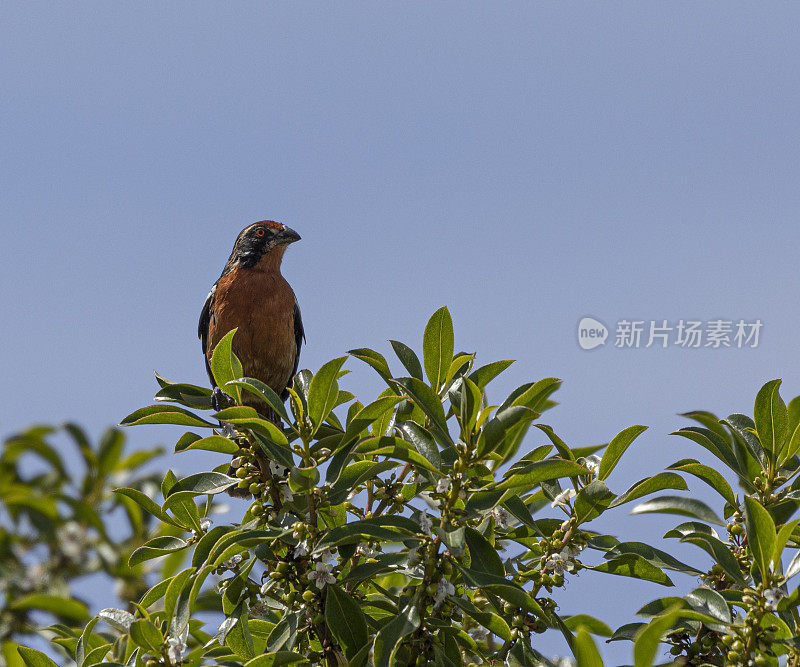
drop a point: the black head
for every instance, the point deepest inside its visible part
(257, 240)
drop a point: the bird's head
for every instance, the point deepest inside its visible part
(265, 239)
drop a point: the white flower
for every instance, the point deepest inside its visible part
(175, 649)
(563, 498)
(560, 562)
(425, 523)
(443, 485)
(233, 562)
(443, 589)
(479, 634)
(301, 549)
(502, 519)
(277, 469)
(321, 575)
(563, 662)
(366, 551)
(772, 596)
(71, 540)
(592, 464)
(205, 523)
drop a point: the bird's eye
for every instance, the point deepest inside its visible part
(260, 231)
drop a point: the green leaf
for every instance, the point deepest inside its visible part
(540, 471)
(374, 359)
(713, 442)
(708, 601)
(345, 620)
(652, 555)
(658, 482)
(390, 528)
(67, 608)
(633, 565)
(204, 482)
(118, 619)
(438, 346)
(681, 506)
(590, 623)
(649, 637)
(429, 403)
(710, 476)
(760, 534)
(174, 590)
(370, 413)
(388, 639)
(147, 635)
(34, 658)
(383, 563)
(483, 556)
(213, 443)
(226, 367)
(165, 414)
(184, 509)
(263, 392)
(586, 652)
(793, 413)
(408, 358)
(422, 441)
(485, 374)
(592, 500)
(396, 448)
(771, 418)
(146, 503)
(275, 659)
(783, 537)
(488, 620)
(323, 391)
(616, 448)
(243, 416)
(743, 429)
(491, 437)
(718, 550)
(158, 546)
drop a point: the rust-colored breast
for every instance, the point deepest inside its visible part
(260, 304)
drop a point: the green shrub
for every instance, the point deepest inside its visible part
(414, 529)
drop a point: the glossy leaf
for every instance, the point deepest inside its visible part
(616, 448)
(644, 487)
(165, 414)
(226, 367)
(438, 346)
(345, 620)
(388, 638)
(771, 418)
(679, 505)
(323, 391)
(586, 652)
(760, 534)
(408, 358)
(540, 471)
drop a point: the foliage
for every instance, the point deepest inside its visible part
(57, 527)
(414, 529)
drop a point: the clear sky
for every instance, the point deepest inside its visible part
(527, 164)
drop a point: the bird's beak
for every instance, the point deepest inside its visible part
(286, 236)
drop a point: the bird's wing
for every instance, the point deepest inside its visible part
(202, 327)
(299, 337)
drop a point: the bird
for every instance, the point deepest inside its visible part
(253, 297)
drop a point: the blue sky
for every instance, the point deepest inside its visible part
(527, 164)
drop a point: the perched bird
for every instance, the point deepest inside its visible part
(252, 296)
